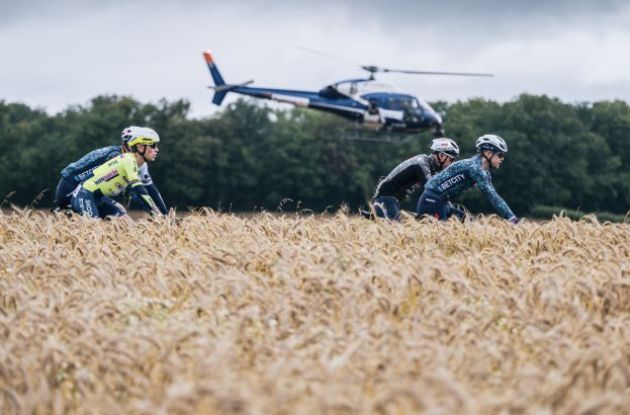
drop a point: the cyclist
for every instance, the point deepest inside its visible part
(410, 175)
(74, 173)
(93, 196)
(463, 175)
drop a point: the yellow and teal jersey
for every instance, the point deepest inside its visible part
(112, 177)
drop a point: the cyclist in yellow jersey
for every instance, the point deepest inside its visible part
(80, 170)
(93, 197)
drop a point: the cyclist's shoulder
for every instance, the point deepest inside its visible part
(123, 160)
(472, 164)
(129, 163)
(127, 158)
(424, 160)
(113, 150)
(411, 161)
(104, 151)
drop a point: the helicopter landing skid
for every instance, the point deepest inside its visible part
(374, 135)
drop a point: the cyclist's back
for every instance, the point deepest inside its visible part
(74, 173)
(407, 177)
(82, 168)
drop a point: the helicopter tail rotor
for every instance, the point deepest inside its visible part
(220, 87)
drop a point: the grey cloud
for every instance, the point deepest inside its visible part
(468, 20)
(259, 38)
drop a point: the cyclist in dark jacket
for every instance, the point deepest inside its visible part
(410, 175)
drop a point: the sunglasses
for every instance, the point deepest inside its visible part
(450, 156)
(500, 155)
(154, 145)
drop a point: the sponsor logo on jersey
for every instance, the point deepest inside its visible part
(85, 174)
(452, 181)
(106, 177)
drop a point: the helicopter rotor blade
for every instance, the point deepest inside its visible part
(433, 72)
(328, 55)
(372, 69)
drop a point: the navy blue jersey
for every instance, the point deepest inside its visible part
(82, 169)
(463, 175)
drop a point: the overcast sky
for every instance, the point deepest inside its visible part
(61, 53)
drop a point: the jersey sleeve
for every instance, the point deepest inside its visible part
(426, 168)
(157, 198)
(484, 183)
(130, 170)
(143, 172)
(139, 193)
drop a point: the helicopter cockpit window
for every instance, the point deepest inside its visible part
(409, 104)
(403, 104)
(394, 104)
(424, 105)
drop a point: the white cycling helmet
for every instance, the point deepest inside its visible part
(446, 146)
(128, 132)
(134, 136)
(491, 142)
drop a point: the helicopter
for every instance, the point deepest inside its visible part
(371, 104)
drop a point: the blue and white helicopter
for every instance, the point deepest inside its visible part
(371, 104)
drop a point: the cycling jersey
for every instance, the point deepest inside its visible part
(407, 177)
(82, 168)
(116, 175)
(463, 175)
(74, 173)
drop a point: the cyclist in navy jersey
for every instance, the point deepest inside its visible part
(463, 175)
(74, 173)
(410, 175)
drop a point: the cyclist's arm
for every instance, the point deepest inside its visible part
(497, 202)
(136, 188)
(147, 181)
(157, 198)
(426, 169)
(139, 193)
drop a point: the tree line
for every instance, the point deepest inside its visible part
(251, 157)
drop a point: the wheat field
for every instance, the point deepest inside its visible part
(219, 314)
